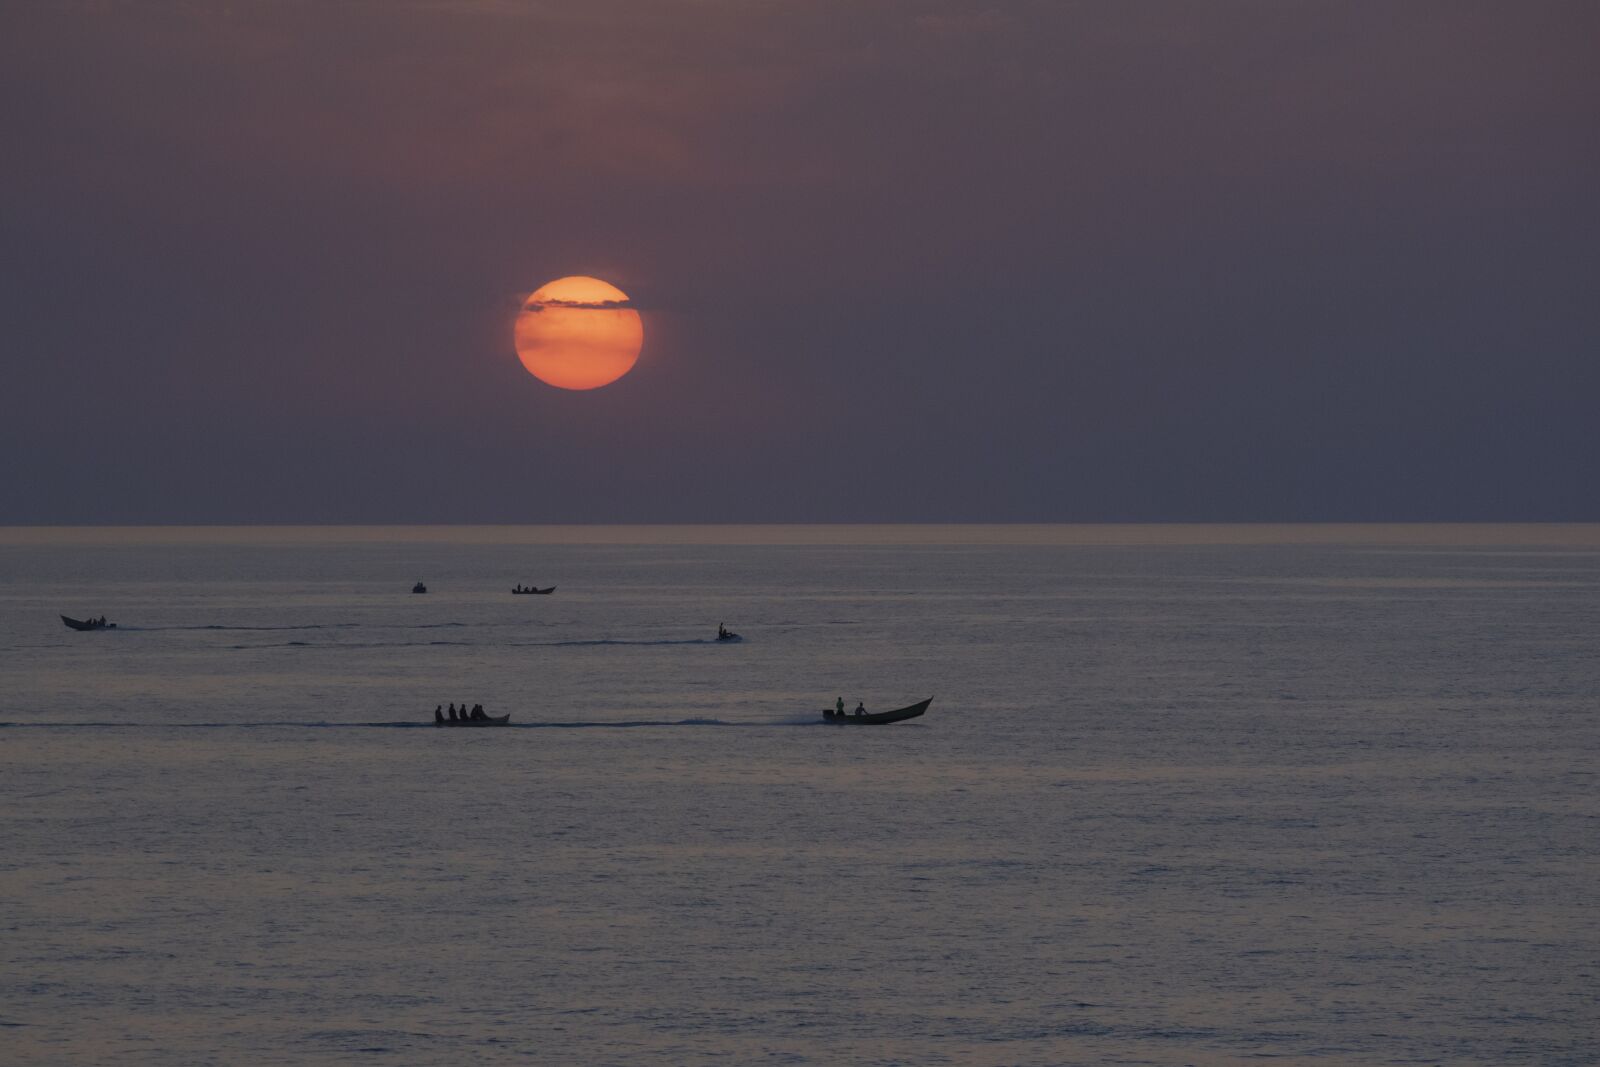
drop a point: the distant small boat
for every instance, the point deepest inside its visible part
(880, 717)
(729, 636)
(519, 591)
(419, 588)
(491, 721)
(87, 624)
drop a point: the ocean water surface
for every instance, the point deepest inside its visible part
(1205, 795)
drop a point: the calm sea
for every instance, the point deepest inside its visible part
(1201, 795)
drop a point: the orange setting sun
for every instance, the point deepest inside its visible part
(578, 333)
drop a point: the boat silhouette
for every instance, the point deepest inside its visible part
(493, 720)
(878, 718)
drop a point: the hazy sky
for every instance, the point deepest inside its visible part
(924, 261)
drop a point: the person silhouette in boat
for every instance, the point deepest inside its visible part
(722, 632)
(861, 708)
(478, 713)
(452, 712)
(838, 707)
(438, 713)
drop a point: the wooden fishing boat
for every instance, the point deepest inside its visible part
(533, 591)
(87, 624)
(878, 718)
(493, 720)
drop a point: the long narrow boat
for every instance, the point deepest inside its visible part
(530, 591)
(85, 624)
(878, 718)
(493, 720)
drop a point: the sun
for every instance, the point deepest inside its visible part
(578, 333)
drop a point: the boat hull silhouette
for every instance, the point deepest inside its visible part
(879, 718)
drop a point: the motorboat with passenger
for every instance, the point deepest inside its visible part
(88, 624)
(877, 718)
(439, 719)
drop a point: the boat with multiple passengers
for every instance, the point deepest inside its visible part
(476, 717)
(862, 717)
(98, 623)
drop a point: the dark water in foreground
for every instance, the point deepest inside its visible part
(1184, 796)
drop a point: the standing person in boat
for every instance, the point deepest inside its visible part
(838, 706)
(438, 713)
(452, 712)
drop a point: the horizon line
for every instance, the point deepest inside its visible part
(1581, 536)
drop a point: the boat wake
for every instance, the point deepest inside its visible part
(340, 626)
(308, 626)
(594, 724)
(599, 642)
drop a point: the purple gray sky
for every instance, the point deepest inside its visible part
(931, 261)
